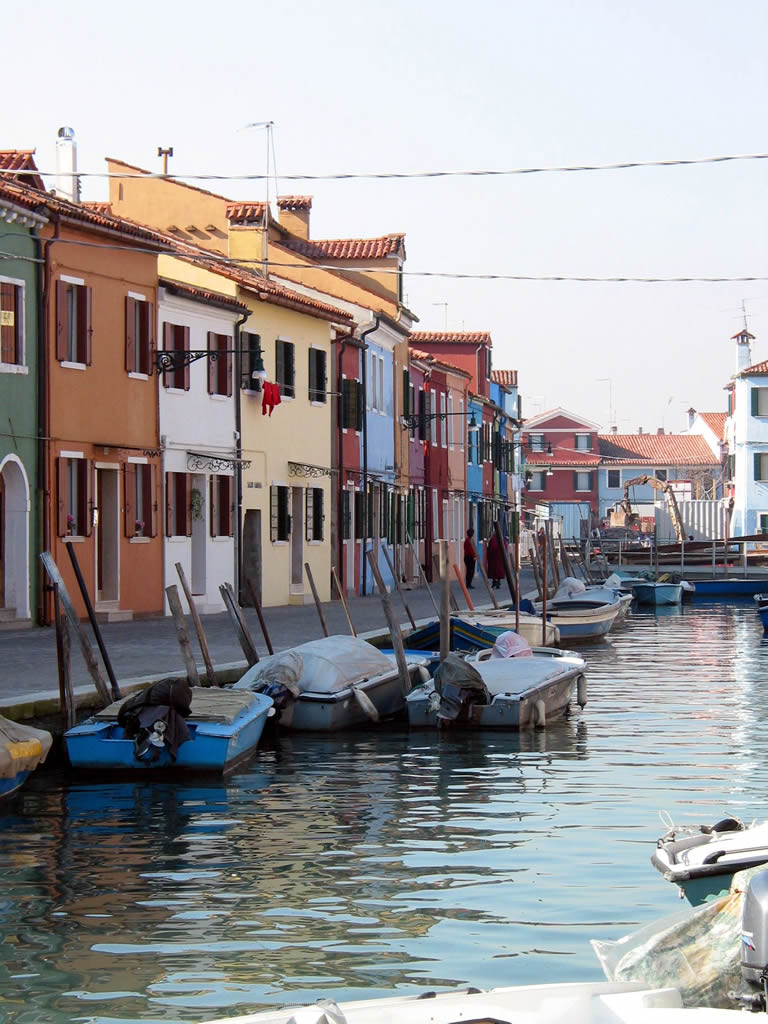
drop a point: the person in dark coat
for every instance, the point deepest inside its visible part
(469, 559)
(495, 561)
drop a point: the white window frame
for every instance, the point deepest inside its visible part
(536, 442)
(21, 365)
(582, 473)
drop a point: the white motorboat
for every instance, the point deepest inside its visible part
(702, 859)
(499, 620)
(498, 693)
(333, 683)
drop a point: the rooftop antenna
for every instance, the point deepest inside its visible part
(445, 313)
(165, 153)
(268, 125)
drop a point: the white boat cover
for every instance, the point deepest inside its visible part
(22, 747)
(519, 675)
(570, 586)
(328, 665)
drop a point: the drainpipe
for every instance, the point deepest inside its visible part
(238, 473)
(43, 392)
(363, 335)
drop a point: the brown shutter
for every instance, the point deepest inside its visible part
(213, 510)
(61, 497)
(61, 320)
(230, 493)
(129, 489)
(186, 487)
(167, 345)
(229, 345)
(150, 519)
(84, 298)
(145, 361)
(130, 334)
(185, 348)
(169, 499)
(213, 344)
(88, 496)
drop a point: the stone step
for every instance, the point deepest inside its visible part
(110, 611)
(7, 614)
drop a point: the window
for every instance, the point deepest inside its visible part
(176, 339)
(11, 322)
(449, 421)
(762, 519)
(371, 396)
(279, 519)
(346, 516)
(314, 513)
(412, 409)
(432, 421)
(252, 361)
(536, 442)
(425, 404)
(219, 364)
(761, 466)
(462, 425)
(222, 507)
(75, 499)
(759, 398)
(443, 420)
(351, 404)
(318, 383)
(140, 508)
(660, 474)
(285, 373)
(582, 481)
(582, 442)
(538, 480)
(178, 505)
(139, 335)
(613, 478)
(74, 330)
(360, 523)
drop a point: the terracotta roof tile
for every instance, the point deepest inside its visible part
(507, 378)
(245, 213)
(22, 160)
(656, 449)
(346, 248)
(716, 422)
(98, 207)
(561, 457)
(294, 202)
(758, 370)
(188, 291)
(451, 337)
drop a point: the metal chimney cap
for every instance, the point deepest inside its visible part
(65, 133)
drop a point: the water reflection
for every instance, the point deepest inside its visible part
(349, 865)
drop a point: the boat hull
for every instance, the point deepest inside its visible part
(580, 624)
(658, 593)
(214, 746)
(726, 586)
(324, 712)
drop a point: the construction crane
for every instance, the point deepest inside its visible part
(632, 519)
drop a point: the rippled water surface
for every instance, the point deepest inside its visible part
(350, 865)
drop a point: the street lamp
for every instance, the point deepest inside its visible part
(412, 420)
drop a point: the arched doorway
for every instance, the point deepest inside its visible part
(14, 539)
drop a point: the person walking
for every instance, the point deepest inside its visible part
(469, 560)
(495, 561)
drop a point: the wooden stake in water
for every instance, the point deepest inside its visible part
(260, 616)
(394, 627)
(210, 675)
(315, 595)
(174, 603)
(445, 595)
(238, 621)
(340, 592)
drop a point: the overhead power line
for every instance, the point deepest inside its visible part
(388, 175)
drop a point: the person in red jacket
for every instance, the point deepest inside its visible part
(495, 561)
(469, 560)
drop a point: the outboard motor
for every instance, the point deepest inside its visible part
(754, 944)
(458, 687)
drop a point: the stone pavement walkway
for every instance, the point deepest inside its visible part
(148, 647)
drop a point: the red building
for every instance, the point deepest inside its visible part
(561, 455)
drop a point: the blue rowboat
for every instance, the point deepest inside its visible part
(224, 728)
(726, 586)
(762, 609)
(649, 592)
(22, 749)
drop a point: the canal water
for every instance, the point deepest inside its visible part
(360, 863)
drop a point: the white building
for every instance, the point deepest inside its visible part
(197, 420)
(746, 433)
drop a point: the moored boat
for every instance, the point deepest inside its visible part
(498, 693)
(702, 859)
(654, 593)
(500, 620)
(22, 749)
(336, 682)
(221, 727)
(762, 609)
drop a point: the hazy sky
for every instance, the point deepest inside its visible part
(408, 85)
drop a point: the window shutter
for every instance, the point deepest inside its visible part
(589, 442)
(285, 524)
(543, 479)
(167, 346)
(87, 471)
(346, 403)
(422, 415)
(169, 500)
(312, 376)
(754, 397)
(61, 321)
(290, 370)
(229, 344)
(280, 364)
(148, 350)
(308, 503)
(129, 489)
(318, 526)
(212, 363)
(757, 466)
(406, 393)
(185, 348)
(358, 405)
(85, 302)
(213, 512)
(273, 512)
(322, 375)
(61, 496)
(185, 481)
(229, 491)
(591, 476)
(130, 338)
(150, 500)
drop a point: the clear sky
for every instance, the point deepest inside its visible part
(410, 86)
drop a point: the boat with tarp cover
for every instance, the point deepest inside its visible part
(22, 749)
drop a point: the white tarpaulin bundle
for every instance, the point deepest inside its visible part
(22, 747)
(328, 665)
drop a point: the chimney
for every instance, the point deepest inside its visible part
(743, 349)
(294, 214)
(614, 430)
(659, 430)
(639, 430)
(67, 181)
(691, 417)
